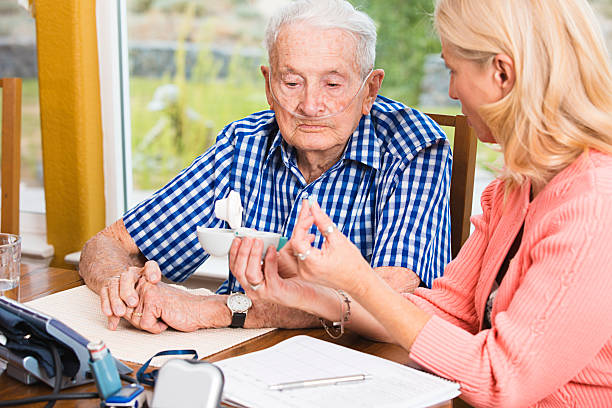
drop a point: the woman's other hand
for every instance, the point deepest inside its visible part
(338, 264)
(287, 262)
(263, 281)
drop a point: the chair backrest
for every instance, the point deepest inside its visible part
(11, 159)
(462, 179)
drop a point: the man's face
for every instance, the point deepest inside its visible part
(314, 74)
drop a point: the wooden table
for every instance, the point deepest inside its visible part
(40, 281)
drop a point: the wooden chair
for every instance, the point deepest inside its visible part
(462, 179)
(11, 159)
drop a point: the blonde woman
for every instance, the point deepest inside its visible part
(523, 315)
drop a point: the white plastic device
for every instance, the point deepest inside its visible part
(188, 384)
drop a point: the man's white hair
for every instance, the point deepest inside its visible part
(328, 14)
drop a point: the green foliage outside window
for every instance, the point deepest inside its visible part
(405, 36)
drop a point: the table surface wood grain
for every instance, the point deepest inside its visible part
(39, 281)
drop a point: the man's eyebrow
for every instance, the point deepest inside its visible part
(290, 70)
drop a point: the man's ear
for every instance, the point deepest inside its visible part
(265, 71)
(504, 73)
(372, 87)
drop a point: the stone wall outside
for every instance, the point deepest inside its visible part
(147, 59)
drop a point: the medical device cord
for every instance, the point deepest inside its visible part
(58, 374)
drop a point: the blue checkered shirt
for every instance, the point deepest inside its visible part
(389, 193)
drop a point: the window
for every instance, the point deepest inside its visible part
(18, 57)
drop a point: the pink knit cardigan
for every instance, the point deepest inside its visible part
(550, 344)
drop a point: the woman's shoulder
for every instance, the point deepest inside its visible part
(601, 168)
(589, 175)
(583, 190)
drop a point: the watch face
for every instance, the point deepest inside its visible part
(238, 302)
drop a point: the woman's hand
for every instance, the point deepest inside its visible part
(266, 283)
(338, 264)
(287, 262)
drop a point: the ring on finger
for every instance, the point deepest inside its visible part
(256, 285)
(330, 228)
(137, 314)
(303, 256)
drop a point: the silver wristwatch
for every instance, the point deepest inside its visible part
(239, 304)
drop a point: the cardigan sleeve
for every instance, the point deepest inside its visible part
(452, 295)
(557, 321)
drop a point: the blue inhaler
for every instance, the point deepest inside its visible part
(104, 369)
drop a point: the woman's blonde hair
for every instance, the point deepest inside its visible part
(561, 102)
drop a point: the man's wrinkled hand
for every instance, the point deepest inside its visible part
(118, 294)
(161, 306)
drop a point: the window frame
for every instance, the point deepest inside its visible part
(115, 106)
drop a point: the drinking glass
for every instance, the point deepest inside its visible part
(10, 261)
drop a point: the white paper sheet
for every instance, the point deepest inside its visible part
(79, 308)
(299, 358)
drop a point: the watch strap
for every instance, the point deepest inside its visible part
(237, 320)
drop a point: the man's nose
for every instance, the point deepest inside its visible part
(313, 101)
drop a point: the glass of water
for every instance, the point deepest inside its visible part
(10, 261)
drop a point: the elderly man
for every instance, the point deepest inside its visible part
(379, 169)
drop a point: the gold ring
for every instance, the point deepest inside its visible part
(137, 314)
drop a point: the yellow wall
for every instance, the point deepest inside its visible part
(71, 122)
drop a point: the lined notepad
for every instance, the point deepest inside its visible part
(248, 377)
(79, 309)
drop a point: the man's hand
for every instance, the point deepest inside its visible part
(161, 306)
(119, 293)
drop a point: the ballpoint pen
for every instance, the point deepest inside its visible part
(319, 382)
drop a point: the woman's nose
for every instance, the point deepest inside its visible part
(451, 89)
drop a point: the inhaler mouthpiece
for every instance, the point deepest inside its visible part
(230, 209)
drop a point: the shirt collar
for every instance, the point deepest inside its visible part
(363, 145)
(276, 142)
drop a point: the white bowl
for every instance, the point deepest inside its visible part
(270, 239)
(217, 241)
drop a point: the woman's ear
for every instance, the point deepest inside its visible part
(505, 74)
(372, 88)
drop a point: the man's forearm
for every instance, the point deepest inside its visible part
(266, 314)
(106, 255)
(402, 280)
